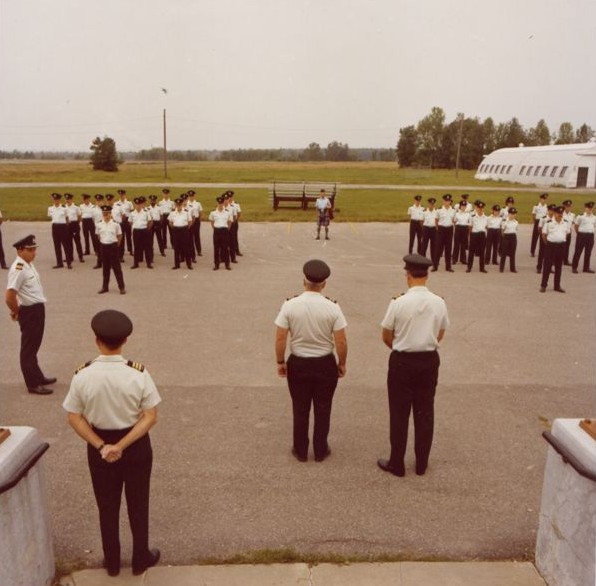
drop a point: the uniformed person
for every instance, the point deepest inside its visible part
(538, 213)
(429, 228)
(112, 404)
(584, 240)
(180, 221)
(509, 240)
(196, 210)
(461, 222)
(166, 206)
(554, 234)
(141, 223)
(416, 214)
(74, 225)
(220, 222)
(478, 238)
(550, 212)
(235, 224)
(445, 215)
(316, 326)
(155, 214)
(413, 327)
(88, 213)
(228, 207)
(109, 234)
(26, 302)
(125, 207)
(568, 216)
(493, 234)
(60, 234)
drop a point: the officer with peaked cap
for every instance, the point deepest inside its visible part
(539, 212)
(416, 214)
(554, 234)
(585, 225)
(445, 216)
(221, 222)
(429, 228)
(26, 302)
(413, 326)
(112, 404)
(60, 232)
(316, 327)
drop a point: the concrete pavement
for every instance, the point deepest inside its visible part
(363, 574)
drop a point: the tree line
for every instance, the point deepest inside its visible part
(433, 142)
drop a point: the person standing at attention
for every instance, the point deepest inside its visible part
(315, 325)
(323, 207)
(413, 327)
(112, 404)
(109, 234)
(416, 213)
(26, 304)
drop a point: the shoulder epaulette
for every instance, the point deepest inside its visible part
(19, 266)
(83, 366)
(394, 298)
(292, 297)
(332, 300)
(136, 365)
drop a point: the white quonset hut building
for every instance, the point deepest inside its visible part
(567, 165)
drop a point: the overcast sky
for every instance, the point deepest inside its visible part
(284, 73)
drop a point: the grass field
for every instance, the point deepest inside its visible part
(359, 205)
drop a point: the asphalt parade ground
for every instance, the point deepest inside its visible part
(224, 481)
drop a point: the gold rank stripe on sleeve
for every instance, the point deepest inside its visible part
(136, 365)
(332, 300)
(83, 366)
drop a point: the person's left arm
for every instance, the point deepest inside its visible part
(147, 420)
(387, 337)
(78, 422)
(12, 303)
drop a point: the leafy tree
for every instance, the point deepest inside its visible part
(104, 156)
(584, 133)
(337, 151)
(488, 135)
(314, 152)
(539, 135)
(430, 134)
(407, 146)
(565, 134)
(514, 133)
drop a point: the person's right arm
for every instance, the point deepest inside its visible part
(341, 348)
(12, 303)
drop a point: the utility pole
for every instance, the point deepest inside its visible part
(460, 117)
(165, 147)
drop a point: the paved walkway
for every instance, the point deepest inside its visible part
(373, 574)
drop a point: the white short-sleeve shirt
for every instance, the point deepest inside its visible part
(24, 279)
(311, 319)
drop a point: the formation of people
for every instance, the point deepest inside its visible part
(111, 227)
(463, 232)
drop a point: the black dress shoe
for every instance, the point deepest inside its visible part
(421, 468)
(235, 261)
(58, 267)
(239, 254)
(134, 267)
(123, 291)
(299, 457)
(97, 267)
(559, 290)
(323, 456)
(574, 271)
(468, 270)
(112, 571)
(228, 268)
(216, 268)
(386, 467)
(542, 289)
(153, 556)
(49, 380)
(102, 291)
(450, 270)
(40, 390)
(589, 271)
(483, 271)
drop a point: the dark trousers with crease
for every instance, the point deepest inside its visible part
(493, 245)
(110, 261)
(312, 381)
(477, 246)
(584, 243)
(89, 235)
(460, 243)
(415, 234)
(443, 245)
(429, 236)
(32, 320)
(554, 255)
(133, 473)
(508, 248)
(411, 383)
(221, 246)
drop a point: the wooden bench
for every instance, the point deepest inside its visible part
(300, 192)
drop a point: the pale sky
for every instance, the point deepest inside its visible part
(285, 73)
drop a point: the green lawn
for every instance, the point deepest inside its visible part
(365, 205)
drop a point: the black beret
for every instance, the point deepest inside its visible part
(316, 271)
(464, 196)
(68, 196)
(111, 324)
(137, 200)
(510, 200)
(551, 206)
(56, 196)
(567, 202)
(543, 195)
(417, 261)
(559, 209)
(98, 196)
(496, 208)
(191, 192)
(447, 197)
(86, 196)
(589, 204)
(27, 242)
(153, 197)
(121, 192)
(220, 199)
(512, 211)
(106, 208)
(432, 200)
(109, 196)
(417, 197)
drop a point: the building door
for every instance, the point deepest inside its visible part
(582, 177)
